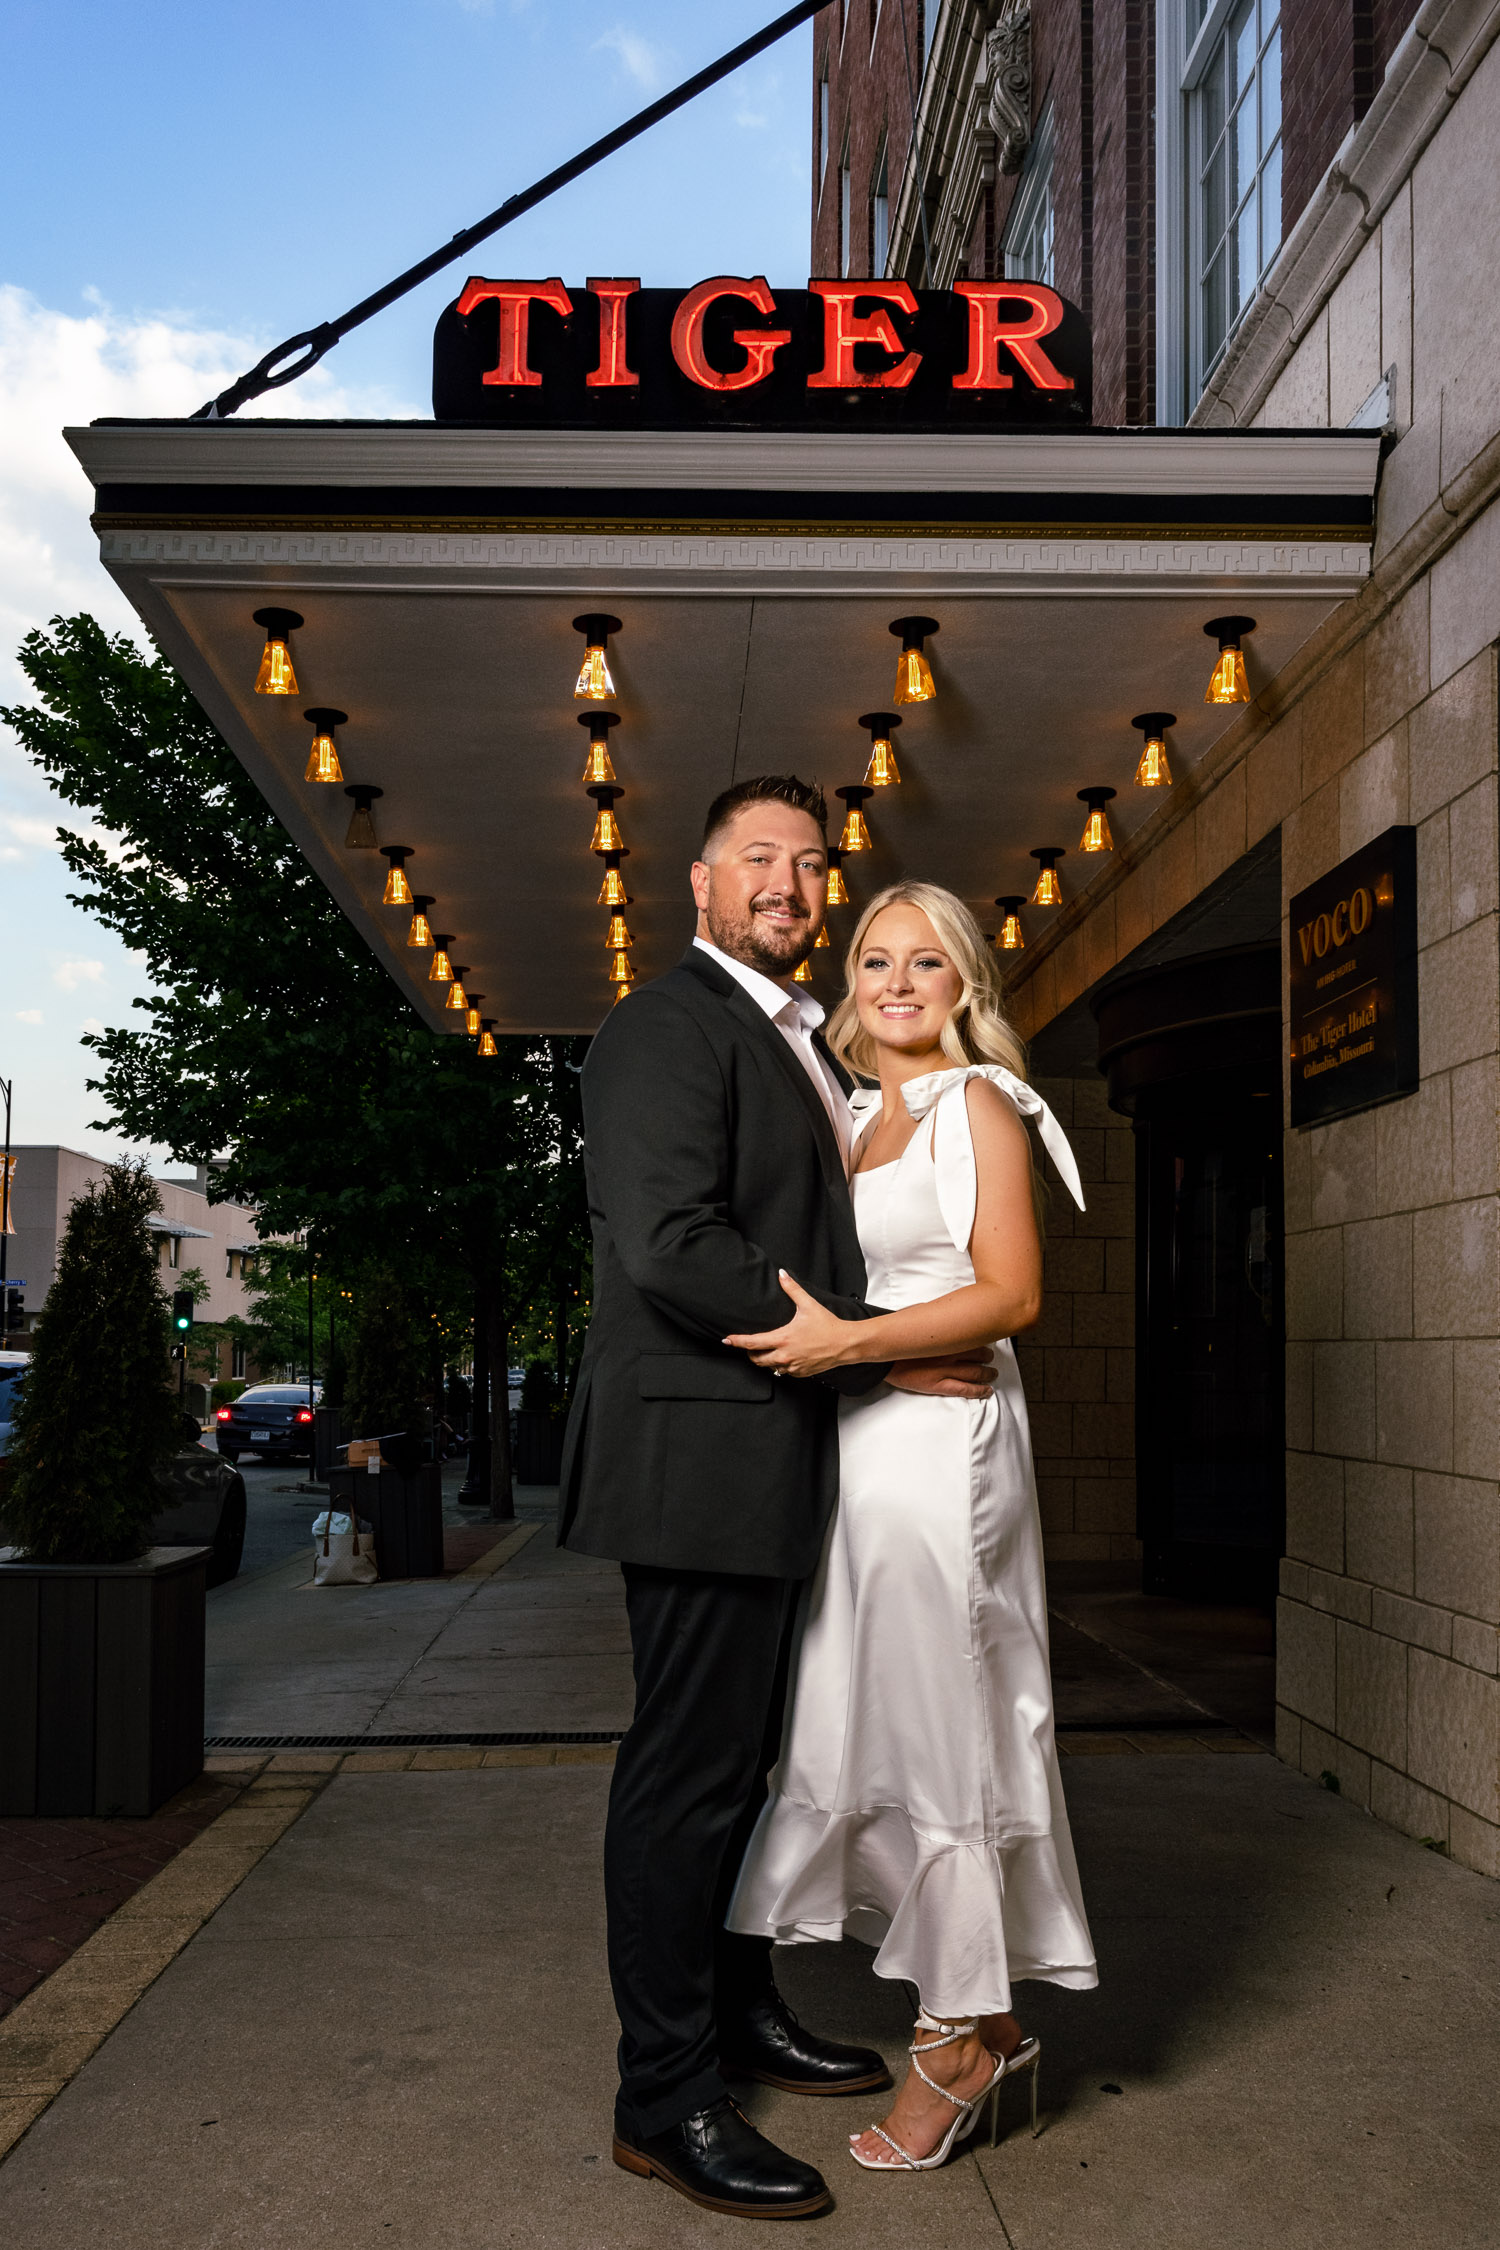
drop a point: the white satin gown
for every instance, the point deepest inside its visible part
(917, 1804)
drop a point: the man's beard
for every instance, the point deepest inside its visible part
(759, 944)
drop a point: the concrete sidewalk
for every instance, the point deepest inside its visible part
(399, 2022)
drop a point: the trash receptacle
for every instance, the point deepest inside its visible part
(408, 1519)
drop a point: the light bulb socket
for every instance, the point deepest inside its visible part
(598, 723)
(1096, 799)
(322, 719)
(879, 723)
(1229, 631)
(913, 631)
(278, 623)
(855, 794)
(1047, 856)
(1011, 902)
(1153, 724)
(605, 794)
(595, 626)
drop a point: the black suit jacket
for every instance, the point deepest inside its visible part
(710, 1162)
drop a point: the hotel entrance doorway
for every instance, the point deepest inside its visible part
(1192, 1051)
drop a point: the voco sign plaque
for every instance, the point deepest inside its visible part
(732, 352)
(1353, 1011)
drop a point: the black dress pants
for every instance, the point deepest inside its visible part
(711, 1652)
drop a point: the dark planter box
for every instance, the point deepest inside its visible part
(405, 1509)
(101, 1684)
(539, 1444)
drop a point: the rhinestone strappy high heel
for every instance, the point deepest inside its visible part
(1026, 2057)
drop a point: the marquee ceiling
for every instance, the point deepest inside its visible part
(451, 647)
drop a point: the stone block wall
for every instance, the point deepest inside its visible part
(1078, 1363)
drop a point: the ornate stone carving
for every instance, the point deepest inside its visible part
(1008, 61)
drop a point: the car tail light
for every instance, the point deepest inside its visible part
(223, 1414)
(304, 1413)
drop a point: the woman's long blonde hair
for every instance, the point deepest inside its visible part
(977, 1030)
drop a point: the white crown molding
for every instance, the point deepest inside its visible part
(396, 455)
(699, 564)
(1442, 48)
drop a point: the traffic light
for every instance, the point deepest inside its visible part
(13, 1312)
(182, 1311)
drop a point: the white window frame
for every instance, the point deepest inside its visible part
(1182, 60)
(1035, 202)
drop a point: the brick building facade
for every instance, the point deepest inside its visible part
(1322, 278)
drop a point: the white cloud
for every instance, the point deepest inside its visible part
(72, 973)
(642, 61)
(40, 834)
(29, 1015)
(91, 1023)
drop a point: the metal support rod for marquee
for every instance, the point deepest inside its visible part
(269, 375)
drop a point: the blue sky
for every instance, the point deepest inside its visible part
(186, 182)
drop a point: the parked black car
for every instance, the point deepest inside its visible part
(203, 1497)
(206, 1507)
(271, 1419)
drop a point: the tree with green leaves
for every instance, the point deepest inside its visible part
(275, 1034)
(96, 1418)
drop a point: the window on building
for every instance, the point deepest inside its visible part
(237, 1362)
(822, 123)
(174, 1251)
(1030, 234)
(874, 19)
(846, 210)
(1232, 83)
(880, 214)
(229, 1256)
(930, 12)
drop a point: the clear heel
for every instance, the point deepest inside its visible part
(1027, 2057)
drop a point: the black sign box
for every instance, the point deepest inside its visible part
(1353, 1013)
(565, 348)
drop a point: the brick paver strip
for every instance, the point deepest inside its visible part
(51, 2034)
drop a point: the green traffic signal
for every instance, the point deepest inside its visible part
(182, 1311)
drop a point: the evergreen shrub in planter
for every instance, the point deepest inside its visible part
(101, 1635)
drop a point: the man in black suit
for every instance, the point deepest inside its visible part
(716, 1145)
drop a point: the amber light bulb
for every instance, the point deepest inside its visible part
(822, 938)
(1227, 682)
(1048, 890)
(397, 892)
(619, 936)
(473, 1021)
(612, 890)
(838, 892)
(914, 681)
(360, 835)
(323, 758)
(457, 1000)
(802, 974)
(882, 772)
(599, 765)
(420, 933)
(623, 991)
(1012, 937)
(595, 684)
(606, 836)
(620, 971)
(440, 969)
(856, 836)
(1154, 772)
(276, 676)
(487, 1038)
(1096, 836)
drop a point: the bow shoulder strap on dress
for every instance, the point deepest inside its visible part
(953, 1144)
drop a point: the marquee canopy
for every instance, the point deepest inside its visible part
(438, 570)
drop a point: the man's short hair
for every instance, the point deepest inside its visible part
(760, 789)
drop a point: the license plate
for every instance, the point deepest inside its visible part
(260, 1437)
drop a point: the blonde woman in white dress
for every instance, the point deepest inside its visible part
(917, 1803)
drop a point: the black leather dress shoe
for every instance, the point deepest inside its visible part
(767, 2043)
(718, 2159)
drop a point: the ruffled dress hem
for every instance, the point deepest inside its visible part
(962, 1921)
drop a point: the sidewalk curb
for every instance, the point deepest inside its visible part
(496, 1557)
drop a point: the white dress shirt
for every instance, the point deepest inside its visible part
(796, 1016)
